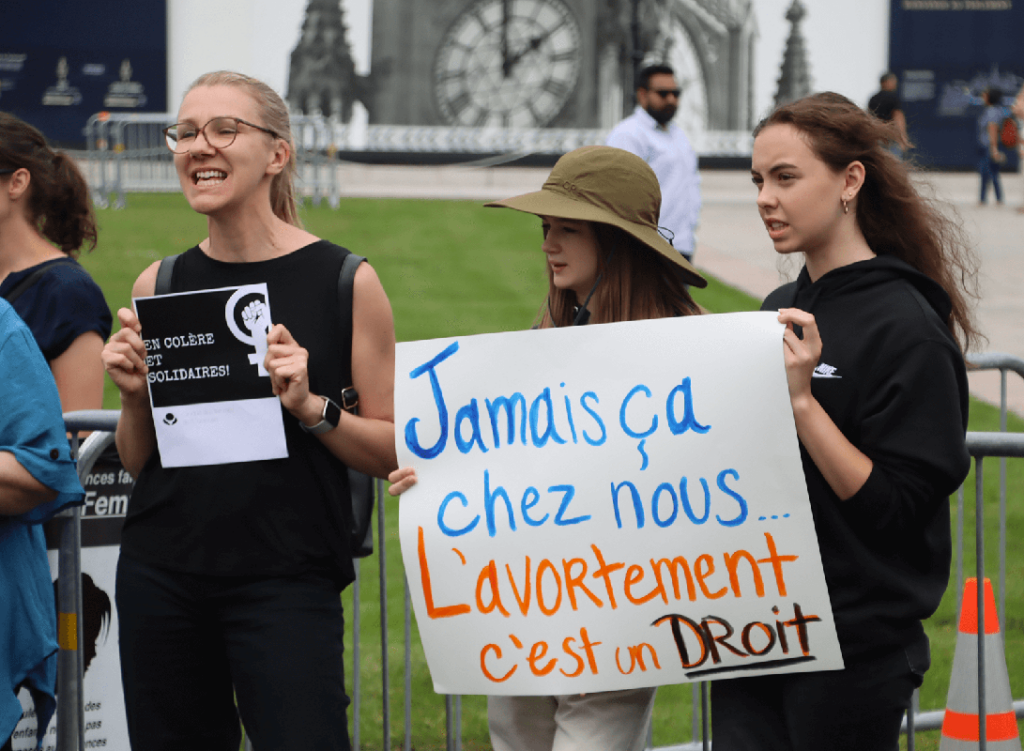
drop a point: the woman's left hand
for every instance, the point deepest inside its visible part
(801, 355)
(401, 480)
(287, 364)
(844, 466)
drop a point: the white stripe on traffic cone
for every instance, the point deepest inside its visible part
(960, 727)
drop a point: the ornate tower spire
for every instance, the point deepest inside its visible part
(322, 77)
(795, 75)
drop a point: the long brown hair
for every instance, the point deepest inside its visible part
(274, 114)
(893, 216)
(636, 283)
(58, 199)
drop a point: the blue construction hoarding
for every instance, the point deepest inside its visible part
(946, 53)
(63, 61)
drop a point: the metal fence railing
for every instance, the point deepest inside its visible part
(125, 153)
(982, 446)
(67, 524)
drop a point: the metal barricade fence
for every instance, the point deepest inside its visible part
(126, 152)
(70, 658)
(70, 712)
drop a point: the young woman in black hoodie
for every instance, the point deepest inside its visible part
(876, 326)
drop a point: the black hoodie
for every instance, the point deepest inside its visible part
(892, 378)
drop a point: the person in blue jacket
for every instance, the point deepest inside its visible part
(877, 324)
(989, 156)
(37, 480)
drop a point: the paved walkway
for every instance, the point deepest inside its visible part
(733, 244)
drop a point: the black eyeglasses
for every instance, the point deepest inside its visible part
(220, 133)
(665, 93)
(8, 170)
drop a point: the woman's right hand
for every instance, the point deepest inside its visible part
(124, 356)
(401, 480)
(801, 354)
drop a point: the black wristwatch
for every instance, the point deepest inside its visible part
(329, 419)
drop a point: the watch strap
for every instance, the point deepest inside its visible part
(329, 418)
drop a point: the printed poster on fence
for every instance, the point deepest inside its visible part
(211, 396)
(107, 489)
(608, 507)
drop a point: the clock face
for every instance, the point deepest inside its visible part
(508, 63)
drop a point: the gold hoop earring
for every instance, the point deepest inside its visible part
(846, 206)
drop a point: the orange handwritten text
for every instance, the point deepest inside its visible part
(492, 667)
(428, 593)
(595, 581)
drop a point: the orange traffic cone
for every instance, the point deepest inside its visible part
(960, 725)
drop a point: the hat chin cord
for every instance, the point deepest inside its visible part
(582, 314)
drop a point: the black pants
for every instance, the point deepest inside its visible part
(859, 708)
(192, 645)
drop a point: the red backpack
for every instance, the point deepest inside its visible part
(1008, 134)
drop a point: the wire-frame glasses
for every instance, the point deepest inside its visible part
(220, 133)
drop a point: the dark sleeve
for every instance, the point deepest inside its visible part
(781, 298)
(914, 433)
(64, 304)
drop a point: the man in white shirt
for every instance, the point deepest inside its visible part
(650, 134)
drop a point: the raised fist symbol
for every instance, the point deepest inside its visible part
(255, 318)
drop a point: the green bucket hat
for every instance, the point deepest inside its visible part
(610, 186)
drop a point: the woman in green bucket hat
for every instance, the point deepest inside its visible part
(607, 258)
(607, 261)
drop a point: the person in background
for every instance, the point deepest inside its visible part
(1017, 109)
(650, 134)
(885, 105)
(45, 219)
(877, 324)
(37, 480)
(989, 155)
(229, 576)
(606, 262)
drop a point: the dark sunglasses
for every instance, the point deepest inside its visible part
(665, 93)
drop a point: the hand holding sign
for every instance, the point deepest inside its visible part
(287, 364)
(401, 480)
(124, 356)
(802, 353)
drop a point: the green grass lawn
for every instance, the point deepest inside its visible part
(455, 268)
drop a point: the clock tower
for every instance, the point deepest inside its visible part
(555, 63)
(504, 63)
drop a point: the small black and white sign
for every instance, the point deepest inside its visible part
(211, 396)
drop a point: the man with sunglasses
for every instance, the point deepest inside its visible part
(650, 134)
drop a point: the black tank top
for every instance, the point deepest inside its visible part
(274, 517)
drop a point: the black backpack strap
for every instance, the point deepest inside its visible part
(360, 485)
(21, 287)
(346, 278)
(164, 273)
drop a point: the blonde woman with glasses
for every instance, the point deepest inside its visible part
(229, 577)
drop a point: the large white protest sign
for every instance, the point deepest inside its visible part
(608, 507)
(211, 396)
